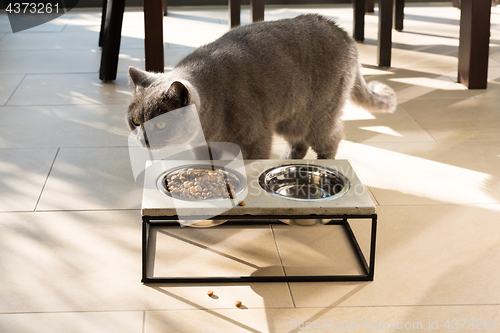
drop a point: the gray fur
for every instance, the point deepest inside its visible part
(290, 77)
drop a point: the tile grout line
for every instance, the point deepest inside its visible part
(69, 147)
(77, 210)
(57, 105)
(419, 124)
(51, 73)
(282, 266)
(46, 179)
(144, 321)
(60, 105)
(381, 306)
(17, 87)
(91, 311)
(71, 17)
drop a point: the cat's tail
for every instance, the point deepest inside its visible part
(374, 96)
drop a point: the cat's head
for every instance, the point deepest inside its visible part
(154, 96)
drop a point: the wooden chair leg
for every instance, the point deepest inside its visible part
(359, 19)
(399, 13)
(234, 13)
(153, 35)
(385, 33)
(474, 46)
(111, 40)
(257, 10)
(164, 7)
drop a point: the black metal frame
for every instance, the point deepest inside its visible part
(369, 267)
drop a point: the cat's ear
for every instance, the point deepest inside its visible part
(139, 78)
(179, 93)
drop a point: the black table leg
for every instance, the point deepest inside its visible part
(103, 20)
(153, 32)
(385, 33)
(399, 13)
(370, 6)
(111, 41)
(473, 50)
(257, 10)
(359, 19)
(234, 13)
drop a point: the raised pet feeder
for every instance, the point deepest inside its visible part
(295, 192)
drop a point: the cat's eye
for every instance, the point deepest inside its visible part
(161, 126)
(136, 121)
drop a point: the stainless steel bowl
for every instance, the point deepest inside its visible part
(229, 173)
(235, 176)
(304, 182)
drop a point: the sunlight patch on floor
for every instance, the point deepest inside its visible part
(421, 177)
(382, 130)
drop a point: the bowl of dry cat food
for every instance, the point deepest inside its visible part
(304, 182)
(203, 183)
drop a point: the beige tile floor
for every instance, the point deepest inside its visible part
(70, 245)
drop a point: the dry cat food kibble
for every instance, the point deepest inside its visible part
(238, 304)
(201, 184)
(210, 293)
(242, 203)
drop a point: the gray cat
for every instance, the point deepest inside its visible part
(290, 77)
